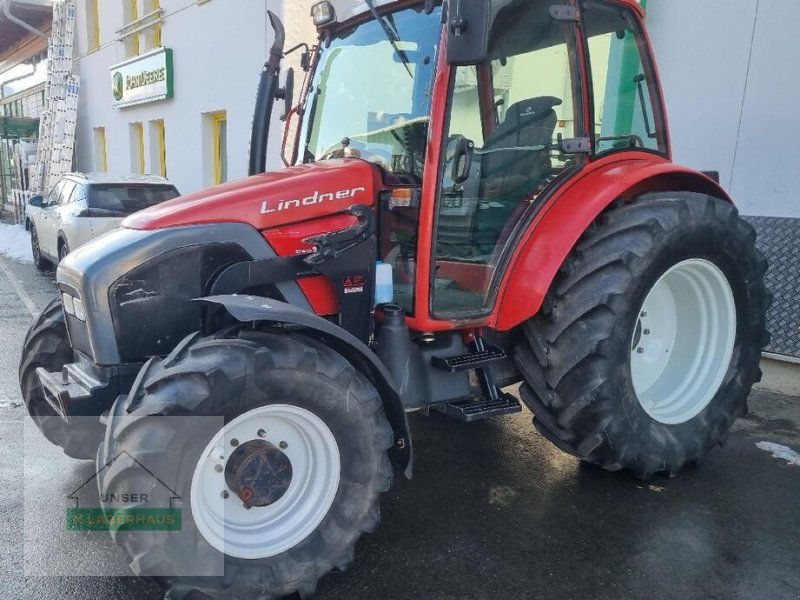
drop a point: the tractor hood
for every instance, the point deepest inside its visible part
(270, 199)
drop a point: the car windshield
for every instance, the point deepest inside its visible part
(371, 95)
(127, 198)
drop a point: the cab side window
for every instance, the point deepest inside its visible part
(627, 114)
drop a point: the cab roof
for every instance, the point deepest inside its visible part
(347, 9)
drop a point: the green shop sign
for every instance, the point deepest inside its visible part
(146, 78)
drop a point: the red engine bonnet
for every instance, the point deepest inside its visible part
(269, 200)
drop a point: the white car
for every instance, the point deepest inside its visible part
(81, 207)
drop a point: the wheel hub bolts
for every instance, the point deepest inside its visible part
(259, 473)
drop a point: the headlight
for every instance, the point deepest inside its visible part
(80, 311)
(68, 303)
(73, 306)
(323, 13)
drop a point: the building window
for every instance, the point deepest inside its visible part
(152, 35)
(218, 124)
(100, 150)
(137, 148)
(93, 23)
(131, 15)
(158, 147)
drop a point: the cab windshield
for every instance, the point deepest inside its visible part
(371, 95)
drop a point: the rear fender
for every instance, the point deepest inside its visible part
(252, 309)
(559, 225)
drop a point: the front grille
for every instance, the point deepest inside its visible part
(152, 306)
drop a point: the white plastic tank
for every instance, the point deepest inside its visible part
(384, 284)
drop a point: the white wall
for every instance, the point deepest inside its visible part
(219, 48)
(731, 94)
(296, 17)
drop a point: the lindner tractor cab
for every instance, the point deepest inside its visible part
(476, 194)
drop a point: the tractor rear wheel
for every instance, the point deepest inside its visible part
(47, 346)
(276, 492)
(650, 338)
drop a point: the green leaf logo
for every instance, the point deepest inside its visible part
(118, 86)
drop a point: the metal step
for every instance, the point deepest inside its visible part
(473, 360)
(477, 410)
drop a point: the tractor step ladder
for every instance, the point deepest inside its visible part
(494, 402)
(472, 360)
(482, 408)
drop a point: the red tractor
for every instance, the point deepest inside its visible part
(509, 162)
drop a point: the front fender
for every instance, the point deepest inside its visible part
(250, 309)
(557, 227)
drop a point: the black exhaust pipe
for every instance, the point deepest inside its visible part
(265, 99)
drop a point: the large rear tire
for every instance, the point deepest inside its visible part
(47, 346)
(264, 386)
(650, 338)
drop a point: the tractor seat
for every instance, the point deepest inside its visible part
(528, 123)
(510, 169)
(509, 172)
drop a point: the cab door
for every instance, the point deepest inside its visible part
(516, 112)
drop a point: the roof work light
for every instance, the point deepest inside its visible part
(323, 13)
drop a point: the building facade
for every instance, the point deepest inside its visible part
(168, 86)
(23, 67)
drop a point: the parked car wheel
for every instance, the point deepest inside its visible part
(40, 261)
(63, 249)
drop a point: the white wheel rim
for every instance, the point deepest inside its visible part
(683, 342)
(261, 532)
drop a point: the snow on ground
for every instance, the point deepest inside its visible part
(779, 451)
(15, 242)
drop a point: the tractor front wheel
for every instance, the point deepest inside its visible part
(275, 489)
(650, 338)
(47, 346)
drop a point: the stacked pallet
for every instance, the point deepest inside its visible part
(59, 119)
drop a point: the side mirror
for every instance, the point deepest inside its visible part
(36, 201)
(468, 25)
(287, 94)
(462, 160)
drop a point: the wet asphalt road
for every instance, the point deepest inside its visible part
(494, 511)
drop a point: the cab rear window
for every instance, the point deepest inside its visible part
(128, 199)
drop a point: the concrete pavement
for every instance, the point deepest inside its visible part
(494, 511)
